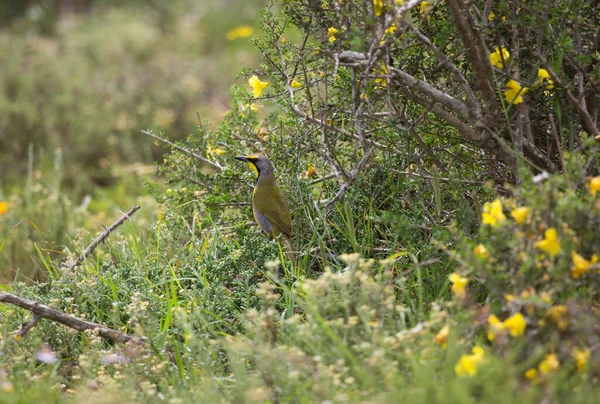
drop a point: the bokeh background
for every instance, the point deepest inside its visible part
(86, 76)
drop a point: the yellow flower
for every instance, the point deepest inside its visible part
(467, 364)
(558, 314)
(491, 17)
(399, 2)
(498, 56)
(581, 265)
(492, 213)
(215, 150)
(243, 31)
(382, 71)
(295, 84)
(594, 185)
(425, 7)
(581, 358)
(520, 214)
(481, 252)
(516, 325)
(378, 7)
(251, 107)
(257, 86)
(495, 327)
(550, 242)
(442, 336)
(544, 79)
(391, 29)
(3, 208)
(458, 284)
(549, 364)
(514, 92)
(531, 374)
(332, 31)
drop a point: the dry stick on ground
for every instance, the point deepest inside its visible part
(43, 311)
(37, 316)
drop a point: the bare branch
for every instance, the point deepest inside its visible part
(213, 165)
(476, 54)
(43, 311)
(90, 248)
(587, 119)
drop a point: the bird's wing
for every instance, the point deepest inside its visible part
(268, 202)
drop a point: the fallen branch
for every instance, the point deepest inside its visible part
(101, 238)
(42, 311)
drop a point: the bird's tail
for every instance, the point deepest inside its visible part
(290, 250)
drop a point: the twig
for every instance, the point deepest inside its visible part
(28, 326)
(216, 166)
(42, 311)
(579, 104)
(101, 238)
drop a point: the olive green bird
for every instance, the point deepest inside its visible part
(270, 208)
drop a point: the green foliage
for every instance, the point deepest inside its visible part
(388, 180)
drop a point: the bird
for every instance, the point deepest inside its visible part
(271, 210)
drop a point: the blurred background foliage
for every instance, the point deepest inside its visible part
(87, 76)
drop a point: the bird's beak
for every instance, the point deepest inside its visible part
(241, 158)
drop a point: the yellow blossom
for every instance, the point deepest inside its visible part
(498, 56)
(516, 325)
(3, 208)
(442, 337)
(458, 284)
(251, 107)
(581, 358)
(310, 172)
(481, 252)
(594, 185)
(215, 150)
(381, 71)
(558, 314)
(514, 92)
(492, 213)
(550, 242)
(391, 29)
(544, 79)
(520, 214)
(332, 31)
(257, 86)
(491, 16)
(378, 7)
(425, 7)
(467, 364)
(549, 364)
(581, 265)
(243, 31)
(295, 84)
(399, 2)
(531, 374)
(495, 327)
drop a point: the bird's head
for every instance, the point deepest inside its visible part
(258, 163)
